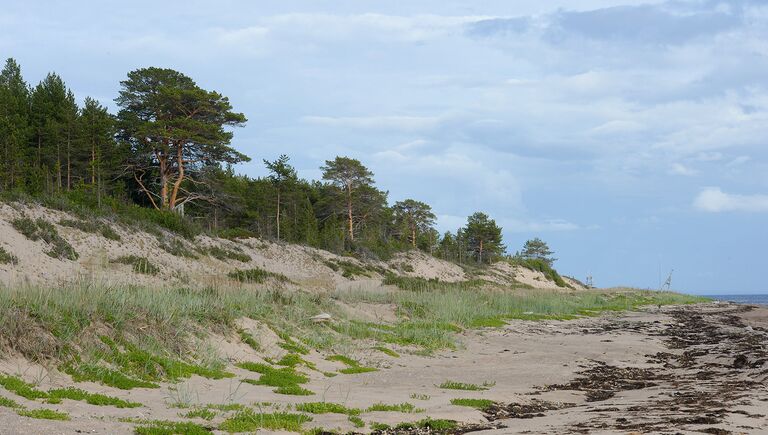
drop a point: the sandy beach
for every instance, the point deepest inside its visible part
(676, 369)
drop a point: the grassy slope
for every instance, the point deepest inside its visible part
(160, 325)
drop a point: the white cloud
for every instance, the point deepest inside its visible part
(714, 200)
(402, 123)
(680, 169)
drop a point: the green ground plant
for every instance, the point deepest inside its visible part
(94, 227)
(248, 420)
(139, 264)
(453, 385)
(160, 427)
(407, 408)
(256, 276)
(7, 258)
(480, 404)
(44, 414)
(225, 254)
(353, 366)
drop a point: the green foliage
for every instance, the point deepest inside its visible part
(7, 258)
(249, 421)
(41, 229)
(537, 249)
(480, 404)
(159, 427)
(140, 264)
(256, 276)
(44, 414)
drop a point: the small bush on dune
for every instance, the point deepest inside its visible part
(256, 276)
(91, 227)
(41, 229)
(140, 264)
(224, 254)
(7, 258)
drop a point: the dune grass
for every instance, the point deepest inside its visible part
(152, 334)
(248, 420)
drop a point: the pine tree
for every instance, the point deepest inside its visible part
(174, 128)
(538, 249)
(281, 174)
(483, 237)
(416, 216)
(14, 124)
(349, 176)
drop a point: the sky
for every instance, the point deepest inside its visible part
(630, 135)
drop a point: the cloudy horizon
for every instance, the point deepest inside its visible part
(628, 134)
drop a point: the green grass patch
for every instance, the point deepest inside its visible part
(249, 421)
(326, 408)
(256, 276)
(294, 390)
(290, 345)
(204, 413)
(453, 385)
(421, 284)
(356, 421)
(387, 351)
(20, 388)
(106, 376)
(249, 340)
(90, 398)
(38, 229)
(407, 408)
(418, 396)
(354, 367)
(44, 414)
(8, 403)
(480, 404)
(286, 379)
(159, 427)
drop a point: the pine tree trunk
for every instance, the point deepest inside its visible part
(349, 212)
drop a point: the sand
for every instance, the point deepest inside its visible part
(671, 370)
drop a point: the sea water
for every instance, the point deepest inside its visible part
(742, 299)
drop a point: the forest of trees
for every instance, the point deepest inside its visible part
(169, 148)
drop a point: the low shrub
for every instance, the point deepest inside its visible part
(140, 264)
(41, 229)
(7, 258)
